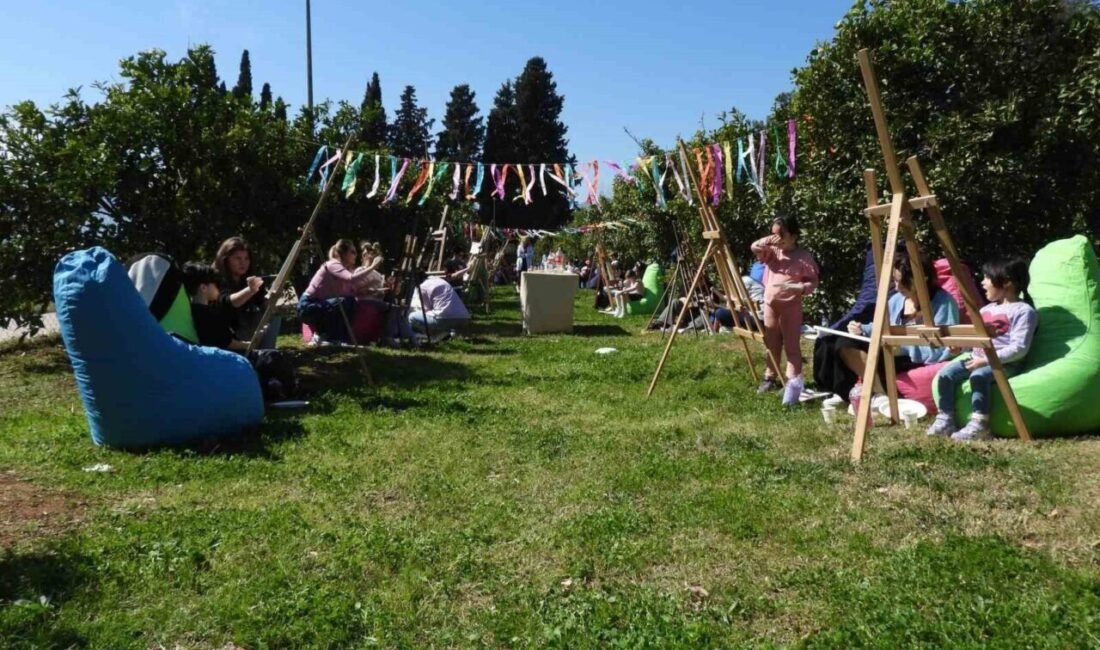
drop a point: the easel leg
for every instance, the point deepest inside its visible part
(880, 327)
(891, 381)
(683, 311)
(1008, 395)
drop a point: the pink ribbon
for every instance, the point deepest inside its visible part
(792, 134)
(716, 189)
(395, 182)
(498, 181)
(594, 184)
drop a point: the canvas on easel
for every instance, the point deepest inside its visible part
(885, 337)
(747, 322)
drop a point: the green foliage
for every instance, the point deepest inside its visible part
(462, 134)
(997, 99)
(411, 132)
(265, 96)
(167, 161)
(374, 133)
(525, 127)
(243, 87)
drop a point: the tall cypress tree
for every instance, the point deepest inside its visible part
(373, 115)
(462, 132)
(244, 78)
(411, 133)
(525, 127)
(280, 109)
(538, 114)
(502, 132)
(265, 96)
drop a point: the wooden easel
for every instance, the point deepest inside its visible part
(292, 259)
(479, 268)
(439, 244)
(678, 279)
(746, 328)
(885, 337)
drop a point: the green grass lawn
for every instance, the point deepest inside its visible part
(507, 491)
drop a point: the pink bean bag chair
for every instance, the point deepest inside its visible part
(916, 384)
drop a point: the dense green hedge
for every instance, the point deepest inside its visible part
(1000, 100)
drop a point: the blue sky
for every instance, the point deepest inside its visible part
(657, 68)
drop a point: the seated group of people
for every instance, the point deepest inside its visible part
(840, 362)
(228, 302)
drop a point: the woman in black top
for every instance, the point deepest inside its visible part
(243, 294)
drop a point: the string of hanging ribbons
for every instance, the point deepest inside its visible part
(718, 167)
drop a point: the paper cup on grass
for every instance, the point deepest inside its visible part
(828, 414)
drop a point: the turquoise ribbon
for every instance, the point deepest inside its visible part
(654, 171)
(316, 162)
(781, 168)
(480, 179)
(741, 170)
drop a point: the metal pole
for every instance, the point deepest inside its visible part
(309, 61)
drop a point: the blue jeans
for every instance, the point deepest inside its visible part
(955, 373)
(437, 326)
(324, 317)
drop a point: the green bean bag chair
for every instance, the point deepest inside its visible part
(1060, 382)
(654, 282)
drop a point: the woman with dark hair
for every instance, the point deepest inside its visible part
(903, 308)
(242, 295)
(1011, 319)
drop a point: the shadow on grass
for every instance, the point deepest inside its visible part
(599, 330)
(342, 371)
(33, 587)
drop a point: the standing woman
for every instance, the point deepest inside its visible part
(525, 257)
(790, 273)
(242, 295)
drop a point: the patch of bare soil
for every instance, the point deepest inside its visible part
(29, 512)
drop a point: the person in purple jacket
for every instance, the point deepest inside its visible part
(1011, 319)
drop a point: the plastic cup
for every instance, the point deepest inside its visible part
(828, 414)
(909, 420)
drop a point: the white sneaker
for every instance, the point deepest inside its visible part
(943, 426)
(792, 390)
(834, 402)
(975, 429)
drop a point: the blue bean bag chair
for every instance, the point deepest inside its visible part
(142, 387)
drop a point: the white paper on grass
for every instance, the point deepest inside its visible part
(606, 350)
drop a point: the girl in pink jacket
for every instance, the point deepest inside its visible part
(790, 273)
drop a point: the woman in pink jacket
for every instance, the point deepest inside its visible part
(790, 273)
(333, 286)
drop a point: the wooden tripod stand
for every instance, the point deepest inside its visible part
(439, 244)
(885, 337)
(747, 324)
(678, 280)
